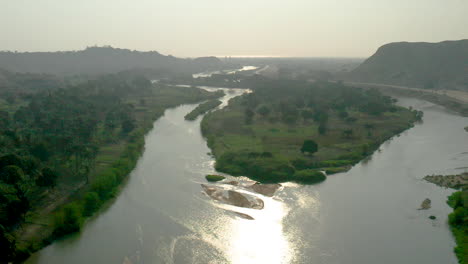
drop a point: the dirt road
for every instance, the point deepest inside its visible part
(459, 96)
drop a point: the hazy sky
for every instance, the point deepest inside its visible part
(318, 28)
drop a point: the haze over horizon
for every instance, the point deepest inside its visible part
(183, 28)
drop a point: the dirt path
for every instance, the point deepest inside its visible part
(459, 96)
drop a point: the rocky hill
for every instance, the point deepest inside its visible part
(442, 65)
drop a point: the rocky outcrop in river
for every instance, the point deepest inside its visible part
(426, 204)
(449, 181)
(231, 197)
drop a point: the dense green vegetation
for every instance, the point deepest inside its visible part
(214, 178)
(71, 143)
(202, 109)
(290, 130)
(458, 221)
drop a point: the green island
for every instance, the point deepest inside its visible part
(293, 130)
(203, 108)
(458, 219)
(68, 147)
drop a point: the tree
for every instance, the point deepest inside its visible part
(128, 125)
(40, 151)
(249, 114)
(7, 246)
(10, 159)
(322, 129)
(47, 178)
(11, 174)
(309, 146)
(263, 110)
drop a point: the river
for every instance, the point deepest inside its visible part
(367, 215)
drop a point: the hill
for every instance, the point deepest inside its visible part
(102, 60)
(442, 65)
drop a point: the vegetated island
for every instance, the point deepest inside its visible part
(292, 130)
(66, 148)
(458, 219)
(203, 108)
(466, 128)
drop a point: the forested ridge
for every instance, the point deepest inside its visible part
(102, 60)
(62, 142)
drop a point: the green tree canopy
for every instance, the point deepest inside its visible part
(309, 146)
(11, 174)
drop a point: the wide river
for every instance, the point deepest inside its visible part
(365, 216)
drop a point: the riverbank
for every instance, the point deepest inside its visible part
(458, 219)
(67, 213)
(290, 131)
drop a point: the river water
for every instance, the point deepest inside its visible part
(367, 215)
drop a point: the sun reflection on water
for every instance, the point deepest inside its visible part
(261, 240)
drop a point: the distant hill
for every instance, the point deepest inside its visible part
(441, 65)
(100, 60)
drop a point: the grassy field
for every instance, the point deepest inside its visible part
(229, 135)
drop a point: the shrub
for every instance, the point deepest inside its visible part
(68, 220)
(308, 176)
(459, 217)
(214, 178)
(302, 164)
(91, 203)
(335, 163)
(104, 185)
(330, 171)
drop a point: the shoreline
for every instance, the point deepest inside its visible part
(459, 202)
(119, 170)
